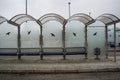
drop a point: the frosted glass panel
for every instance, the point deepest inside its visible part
(30, 33)
(75, 36)
(118, 38)
(111, 34)
(52, 34)
(96, 38)
(8, 36)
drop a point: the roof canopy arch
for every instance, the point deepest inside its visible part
(51, 17)
(21, 18)
(2, 20)
(108, 19)
(84, 18)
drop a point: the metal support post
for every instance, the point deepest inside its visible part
(63, 39)
(41, 43)
(86, 41)
(115, 42)
(106, 41)
(26, 7)
(19, 43)
(69, 9)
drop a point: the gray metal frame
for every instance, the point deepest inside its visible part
(53, 17)
(17, 21)
(107, 19)
(112, 21)
(86, 20)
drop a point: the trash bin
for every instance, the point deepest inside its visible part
(97, 52)
(112, 45)
(119, 44)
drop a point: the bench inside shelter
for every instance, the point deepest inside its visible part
(46, 51)
(68, 51)
(76, 51)
(52, 51)
(8, 51)
(29, 52)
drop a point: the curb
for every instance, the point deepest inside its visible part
(58, 71)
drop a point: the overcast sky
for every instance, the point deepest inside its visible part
(37, 8)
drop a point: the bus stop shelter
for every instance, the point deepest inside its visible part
(109, 19)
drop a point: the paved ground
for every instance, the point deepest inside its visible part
(78, 76)
(55, 64)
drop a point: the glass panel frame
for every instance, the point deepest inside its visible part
(108, 19)
(51, 17)
(2, 19)
(21, 18)
(84, 18)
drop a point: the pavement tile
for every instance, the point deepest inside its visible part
(58, 65)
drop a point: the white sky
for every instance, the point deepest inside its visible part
(37, 8)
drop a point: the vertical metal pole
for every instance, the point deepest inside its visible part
(63, 34)
(26, 7)
(86, 42)
(19, 43)
(106, 41)
(69, 9)
(115, 42)
(41, 42)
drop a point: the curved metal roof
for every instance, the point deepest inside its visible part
(108, 19)
(51, 16)
(21, 18)
(2, 19)
(84, 18)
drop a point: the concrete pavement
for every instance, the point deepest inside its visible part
(55, 64)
